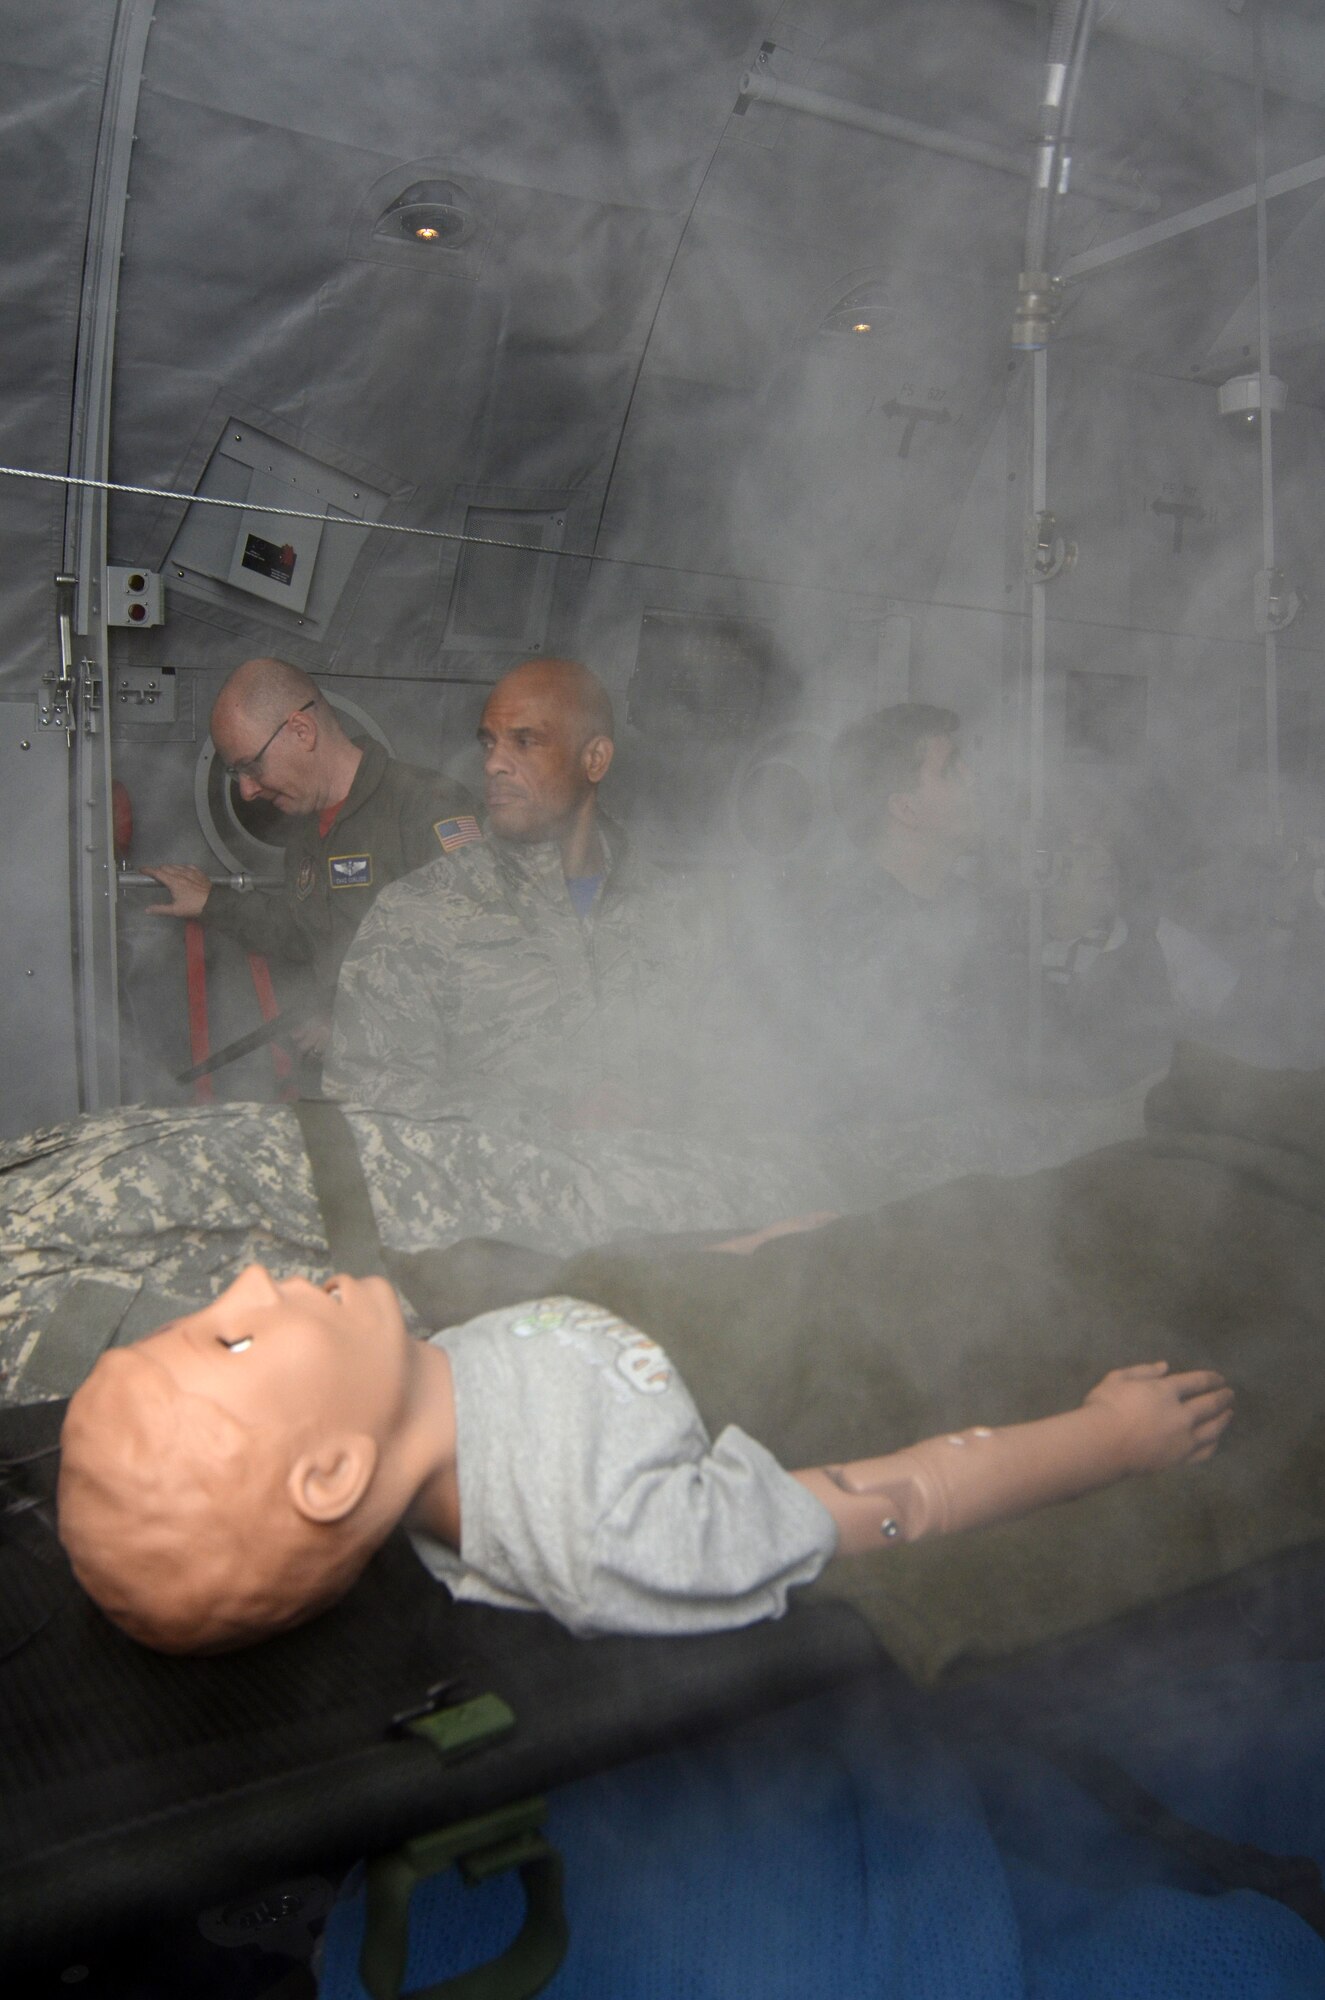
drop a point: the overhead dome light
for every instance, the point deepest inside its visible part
(862, 311)
(431, 213)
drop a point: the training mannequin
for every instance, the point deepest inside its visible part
(231, 1475)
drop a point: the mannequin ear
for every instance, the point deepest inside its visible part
(902, 807)
(597, 755)
(327, 1483)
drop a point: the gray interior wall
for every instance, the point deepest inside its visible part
(631, 339)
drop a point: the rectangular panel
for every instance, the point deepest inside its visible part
(291, 563)
(41, 1080)
(501, 595)
(720, 676)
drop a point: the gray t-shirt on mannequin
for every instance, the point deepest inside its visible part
(589, 1487)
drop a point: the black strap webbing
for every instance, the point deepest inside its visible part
(92, 1316)
(445, 1287)
(341, 1190)
(1291, 1879)
(76, 1334)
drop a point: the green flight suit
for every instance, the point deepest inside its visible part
(387, 826)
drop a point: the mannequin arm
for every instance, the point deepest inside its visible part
(1136, 1420)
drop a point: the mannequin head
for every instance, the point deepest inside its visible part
(232, 1474)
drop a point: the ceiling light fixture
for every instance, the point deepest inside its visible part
(434, 213)
(1240, 397)
(864, 309)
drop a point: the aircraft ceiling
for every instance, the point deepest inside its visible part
(633, 324)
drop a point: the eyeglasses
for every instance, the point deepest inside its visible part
(247, 767)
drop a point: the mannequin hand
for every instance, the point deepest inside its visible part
(189, 889)
(1164, 1419)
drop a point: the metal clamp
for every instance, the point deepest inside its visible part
(90, 692)
(1274, 602)
(58, 710)
(1047, 554)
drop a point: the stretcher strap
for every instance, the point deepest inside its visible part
(1291, 1879)
(76, 1334)
(341, 1190)
(282, 1068)
(195, 968)
(92, 1316)
(444, 1287)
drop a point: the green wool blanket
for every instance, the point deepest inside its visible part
(990, 1301)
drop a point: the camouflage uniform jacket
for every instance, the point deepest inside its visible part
(475, 980)
(387, 826)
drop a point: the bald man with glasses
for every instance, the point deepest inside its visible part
(360, 819)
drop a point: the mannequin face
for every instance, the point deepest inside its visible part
(284, 1351)
(220, 1480)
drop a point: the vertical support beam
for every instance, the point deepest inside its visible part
(1039, 457)
(1273, 809)
(91, 845)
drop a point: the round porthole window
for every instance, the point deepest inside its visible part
(779, 802)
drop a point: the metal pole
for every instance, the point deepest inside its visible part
(92, 866)
(1182, 224)
(1272, 802)
(1035, 746)
(758, 85)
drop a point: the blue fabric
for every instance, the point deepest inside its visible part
(1105, 1912)
(835, 1853)
(795, 1859)
(583, 892)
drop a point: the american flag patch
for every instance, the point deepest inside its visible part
(453, 833)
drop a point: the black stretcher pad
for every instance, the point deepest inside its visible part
(136, 1787)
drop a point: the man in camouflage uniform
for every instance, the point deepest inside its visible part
(542, 962)
(360, 820)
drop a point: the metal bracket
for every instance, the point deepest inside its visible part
(1180, 512)
(1047, 554)
(90, 696)
(1037, 859)
(1039, 302)
(58, 709)
(148, 694)
(1274, 602)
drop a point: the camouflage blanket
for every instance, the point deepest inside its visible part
(184, 1197)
